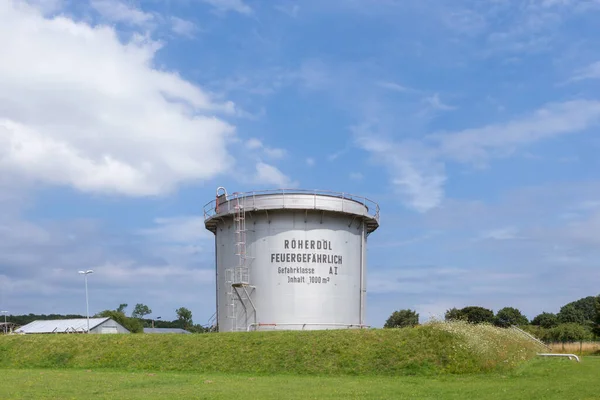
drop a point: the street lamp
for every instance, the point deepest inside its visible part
(5, 325)
(87, 307)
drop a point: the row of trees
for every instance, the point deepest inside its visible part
(576, 321)
(473, 314)
(135, 322)
(21, 320)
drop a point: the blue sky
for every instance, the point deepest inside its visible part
(473, 124)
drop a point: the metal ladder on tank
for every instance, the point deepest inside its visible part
(238, 278)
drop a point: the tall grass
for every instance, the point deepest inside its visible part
(490, 346)
(424, 350)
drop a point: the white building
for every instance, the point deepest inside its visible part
(97, 325)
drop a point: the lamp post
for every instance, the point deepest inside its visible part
(5, 325)
(87, 307)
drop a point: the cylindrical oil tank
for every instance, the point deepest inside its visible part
(290, 259)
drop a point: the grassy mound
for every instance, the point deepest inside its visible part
(429, 349)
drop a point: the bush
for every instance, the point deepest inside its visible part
(472, 314)
(454, 314)
(596, 325)
(510, 316)
(401, 319)
(585, 311)
(570, 332)
(545, 320)
(478, 315)
(571, 314)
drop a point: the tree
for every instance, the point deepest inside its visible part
(596, 329)
(477, 315)
(570, 332)
(131, 324)
(140, 311)
(401, 319)
(198, 329)
(185, 317)
(454, 314)
(510, 316)
(122, 308)
(545, 320)
(586, 306)
(571, 314)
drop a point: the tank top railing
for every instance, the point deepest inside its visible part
(211, 208)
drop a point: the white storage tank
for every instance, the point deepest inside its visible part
(290, 259)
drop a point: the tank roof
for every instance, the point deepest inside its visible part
(294, 199)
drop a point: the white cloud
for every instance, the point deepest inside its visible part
(422, 279)
(95, 114)
(337, 154)
(465, 21)
(118, 11)
(269, 175)
(47, 6)
(356, 176)
(183, 27)
(230, 5)
(272, 152)
(585, 230)
(254, 144)
(275, 152)
(435, 103)
(506, 233)
(393, 86)
(184, 229)
(472, 145)
(39, 263)
(414, 173)
(588, 205)
(417, 169)
(290, 10)
(592, 71)
(310, 161)
(127, 272)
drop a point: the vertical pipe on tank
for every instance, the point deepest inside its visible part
(363, 262)
(217, 276)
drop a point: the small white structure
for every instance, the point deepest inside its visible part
(97, 325)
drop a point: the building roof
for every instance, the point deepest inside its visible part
(60, 325)
(165, 330)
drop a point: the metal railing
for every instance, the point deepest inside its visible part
(571, 356)
(530, 336)
(210, 209)
(304, 324)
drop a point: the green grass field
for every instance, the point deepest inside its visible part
(437, 360)
(537, 379)
(425, 350)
